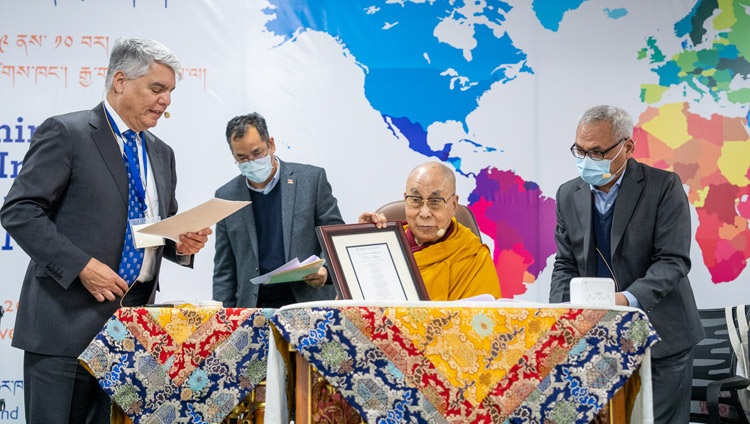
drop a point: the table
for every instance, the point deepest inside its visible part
(482, 362)
(187, 364)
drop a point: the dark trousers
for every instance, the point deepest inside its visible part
(59, 390)
(672, 380)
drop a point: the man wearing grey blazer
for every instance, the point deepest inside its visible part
(630, 222)
(288, 201)
(68, 210)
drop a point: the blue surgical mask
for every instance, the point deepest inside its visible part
(257, 170)
(596, 172)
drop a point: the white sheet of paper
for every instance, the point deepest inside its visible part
(376, 272)
(478, 298)
(202, 216)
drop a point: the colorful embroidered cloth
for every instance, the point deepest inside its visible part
(464, 364)
(179, 365)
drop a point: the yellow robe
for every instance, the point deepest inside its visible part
(458, 267)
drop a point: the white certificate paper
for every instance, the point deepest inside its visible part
(202, 216)
(376, 272)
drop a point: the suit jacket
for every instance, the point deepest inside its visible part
(650, 248)
(306, 202)
(67, 205)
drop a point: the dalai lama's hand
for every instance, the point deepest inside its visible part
(373, 218)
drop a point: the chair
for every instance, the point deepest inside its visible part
(396, 211)
(715, 381)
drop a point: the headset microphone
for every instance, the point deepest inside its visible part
(608, 175)
(441, 232)
(167, 114)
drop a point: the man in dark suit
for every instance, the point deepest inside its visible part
(630, 222)
(288, 201)
(69, 210)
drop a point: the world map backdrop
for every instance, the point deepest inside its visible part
(431, 62)
(369, 89)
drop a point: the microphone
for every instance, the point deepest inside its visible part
(441, 232)
(609, 174)
(617, 285)
(167, 115)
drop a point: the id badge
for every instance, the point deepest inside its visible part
(145, 240)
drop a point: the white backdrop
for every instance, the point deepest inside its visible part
(311, 89)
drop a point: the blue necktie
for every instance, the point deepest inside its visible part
(132, 258)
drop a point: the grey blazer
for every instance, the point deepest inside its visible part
(306, 202)
(67, 205)
(650, 250)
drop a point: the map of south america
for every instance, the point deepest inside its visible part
(434, 77)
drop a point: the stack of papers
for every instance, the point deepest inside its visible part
(293, 270)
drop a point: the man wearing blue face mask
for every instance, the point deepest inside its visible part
(630, 222)
(288, 201)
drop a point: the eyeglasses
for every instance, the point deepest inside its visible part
(434, 203)
(253, 156)
(594, 154)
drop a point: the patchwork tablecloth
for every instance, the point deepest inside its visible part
(180, 365)
(449, 363)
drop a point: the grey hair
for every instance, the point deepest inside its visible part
(621, 121)
(237, 127)
(135, 56)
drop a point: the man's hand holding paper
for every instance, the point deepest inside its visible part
(317, 279)
(192, 243)
(310, 270)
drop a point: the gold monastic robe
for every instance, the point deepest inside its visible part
(458, 267)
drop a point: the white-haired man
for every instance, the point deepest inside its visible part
(86, 176)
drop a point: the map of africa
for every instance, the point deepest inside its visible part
(457, 52)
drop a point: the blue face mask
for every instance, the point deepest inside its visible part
(596, 172)
(257, 170)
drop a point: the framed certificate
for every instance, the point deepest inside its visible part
(370, 263)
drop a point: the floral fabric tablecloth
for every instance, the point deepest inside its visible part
(443, 362)
(180, 365)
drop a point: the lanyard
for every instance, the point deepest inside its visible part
(139, 183)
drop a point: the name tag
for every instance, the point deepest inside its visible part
(145, 240)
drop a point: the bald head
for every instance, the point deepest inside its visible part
(437, 174)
